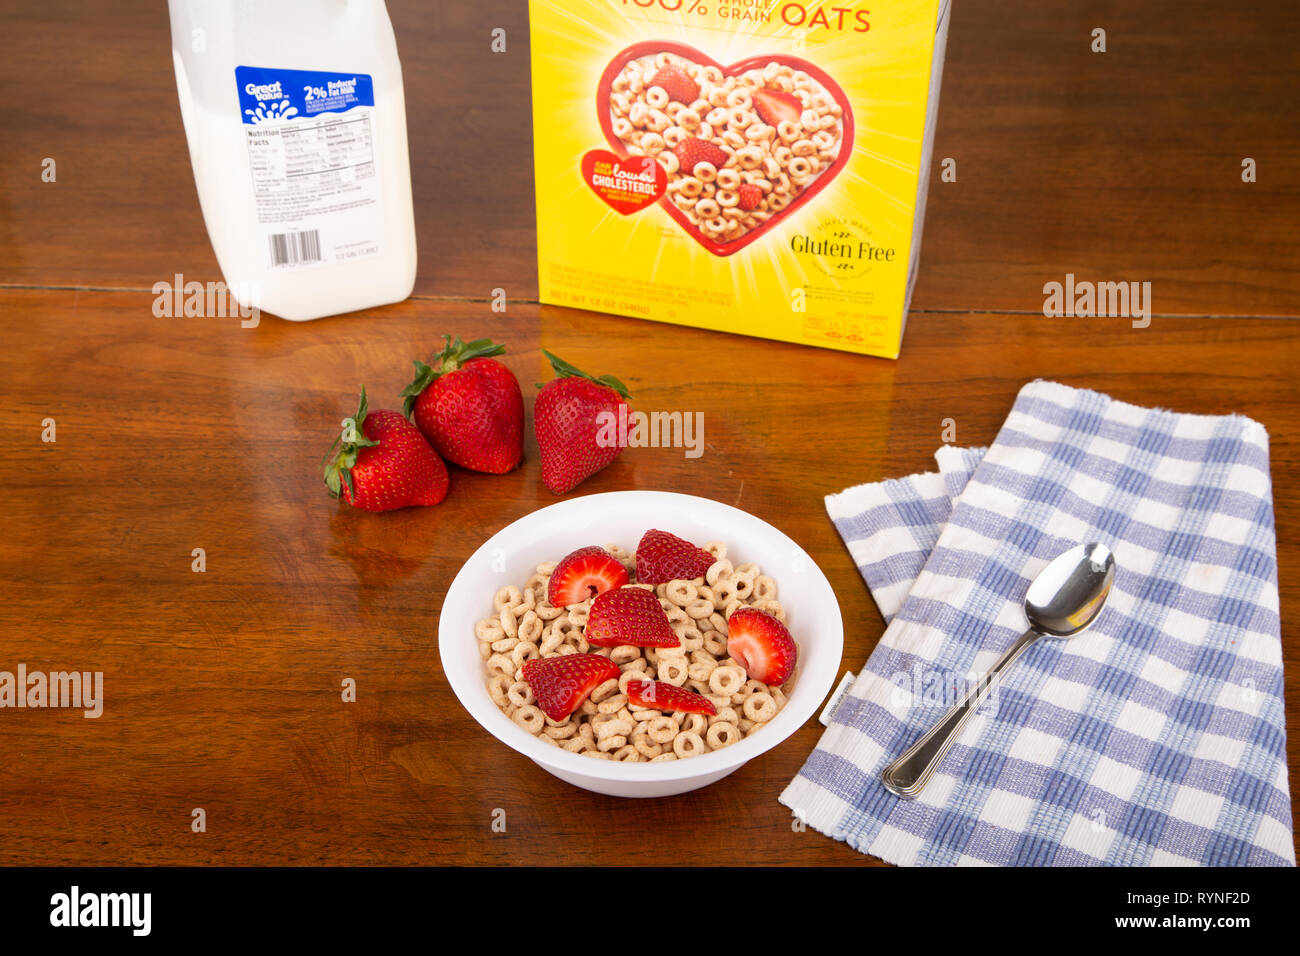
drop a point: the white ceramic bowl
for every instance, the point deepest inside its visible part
(511, 556)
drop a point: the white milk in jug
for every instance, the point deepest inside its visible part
(296, 124)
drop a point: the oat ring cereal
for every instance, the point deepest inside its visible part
(760, 706)
(673, 672)
(688, 744)
(715, 643)
(507, 596)
(530, 718)
(722, 735)
(726, 681)
(651, 690)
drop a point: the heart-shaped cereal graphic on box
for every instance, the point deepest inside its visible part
(744, 145)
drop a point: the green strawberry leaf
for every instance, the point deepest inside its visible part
(424, 376)
(342, 455)
(615, 384)
(453, 356)
(564, 370)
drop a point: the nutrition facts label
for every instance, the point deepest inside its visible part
(298, 163)
(311, 155)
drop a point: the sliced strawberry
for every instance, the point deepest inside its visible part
(693, 151)
(561, 683)
(661, 696)
(662, 557)
(677, 83)
(629, 616)
(777, 106)
(584, 574)
(751, 197)
(761, 644)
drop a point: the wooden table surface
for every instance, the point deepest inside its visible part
(222, 688)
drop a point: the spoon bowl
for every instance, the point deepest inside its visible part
(1067, 595)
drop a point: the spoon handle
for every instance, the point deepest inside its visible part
(909, 774)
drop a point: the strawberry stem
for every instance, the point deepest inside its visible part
(343, 453)
(564, 370)
(452, 357)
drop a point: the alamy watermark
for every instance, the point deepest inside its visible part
(629, 429)
(938, 688)
(82, 690)
(78, 908)
(206, 300)
(1102, 299)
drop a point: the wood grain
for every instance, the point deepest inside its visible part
(1122, 166)
(222, 688)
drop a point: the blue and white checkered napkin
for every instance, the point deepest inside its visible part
(1157, 737)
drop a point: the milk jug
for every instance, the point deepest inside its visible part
(296, 123)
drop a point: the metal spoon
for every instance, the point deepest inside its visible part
(1062, 601)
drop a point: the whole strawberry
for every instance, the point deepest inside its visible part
(381, 462)
(576, 418)
(469, 406)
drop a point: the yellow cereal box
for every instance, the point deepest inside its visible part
(752, 166)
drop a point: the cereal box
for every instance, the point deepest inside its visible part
(752, 166)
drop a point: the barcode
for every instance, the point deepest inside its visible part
(292, 248)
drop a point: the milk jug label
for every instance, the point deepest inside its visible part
(311, 153)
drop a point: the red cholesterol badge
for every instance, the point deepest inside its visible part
(628, 184)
